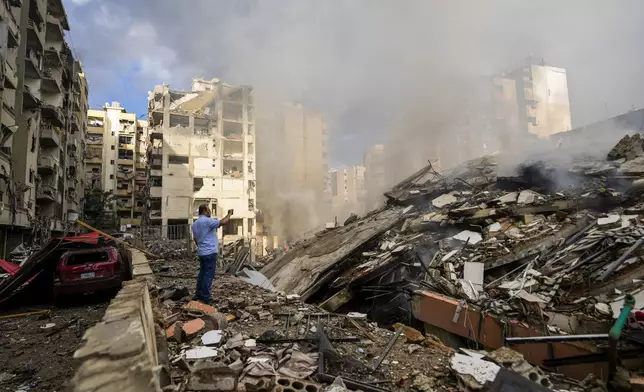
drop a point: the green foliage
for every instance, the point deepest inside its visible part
(97, 210)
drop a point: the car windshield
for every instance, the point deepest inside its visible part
(87, 258)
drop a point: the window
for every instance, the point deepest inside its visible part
(178, 160)
(113, 147)
(31, 176)
(33, 143)
(197, 184)
(111, 176)
(111, 161)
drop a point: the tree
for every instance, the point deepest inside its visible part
(98, 209)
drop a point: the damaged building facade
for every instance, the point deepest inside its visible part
(201, 150)
(116, 160)
(480, 116)
(293, 174)
(347, 189)
(43, 116)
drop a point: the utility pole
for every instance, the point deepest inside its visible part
(20, 116)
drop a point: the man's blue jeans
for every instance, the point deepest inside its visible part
(207, 266)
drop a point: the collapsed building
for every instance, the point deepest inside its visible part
(201, 151)
(477, 254)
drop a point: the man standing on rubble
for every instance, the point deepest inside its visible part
(204, 233)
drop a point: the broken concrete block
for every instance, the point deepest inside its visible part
(471, 237)
(627, 148)
(612, 220)
(211, 338)
(215, 321)
(473, 272)
(175, 332)
(235, 341)
(444, 200)
(527, 197)
(237, 302)
(196, 305)
(508, 198)
(494, 227)
(254, 309)
(411, 334)
(200, 353)
(212, 376)
(193, 327)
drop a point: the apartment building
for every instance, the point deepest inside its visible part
(292, 173)
(375, 180)
(202, 151)
(542, 96)
(116, 160)
(43, 117)
(347, 191)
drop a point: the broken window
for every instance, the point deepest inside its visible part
(197, 183)
(126, 154)
(179, 120)
(156, 181)
(251, 204)
(233, 130)
(125, 139)
(178, 159)
(233, 111)
(234, 227)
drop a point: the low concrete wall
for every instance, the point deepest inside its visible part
(120, 352)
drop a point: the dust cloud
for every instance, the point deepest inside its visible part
(397, 72)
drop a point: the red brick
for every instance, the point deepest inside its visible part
(412, 335)
(192, 327)
(196, 305)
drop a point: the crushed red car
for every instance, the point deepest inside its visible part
(91, 270)
(75, 264)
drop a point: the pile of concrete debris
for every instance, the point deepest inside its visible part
(555, 240)
(256, 340)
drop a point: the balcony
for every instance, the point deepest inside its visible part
(32, 65)
(35, 35)
(52, 58)
(10, 75)
(95, 129)
(49, 137)
(7, 17)
(5, 157)
(47, 164)
(123, 192)
(155, 214)
(50, 84)
(46, 193)
(123, 207)
(55, 31)
(74, 122)
(157, 151)
(30, 101)
(155, 133)
(72, 206)
(53, 113)
(128, 161)
(130, 221)
(141, 177)
(126, 146)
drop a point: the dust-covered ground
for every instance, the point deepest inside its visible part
(37, 350)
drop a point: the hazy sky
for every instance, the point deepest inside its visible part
(362, 63)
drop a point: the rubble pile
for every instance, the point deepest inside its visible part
(253, 339)
(169, 249)
(556, 236)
